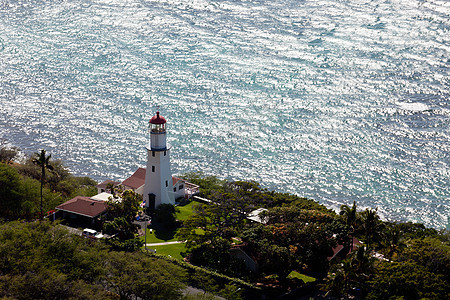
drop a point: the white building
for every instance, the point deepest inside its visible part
(158, 186)
(155, 183)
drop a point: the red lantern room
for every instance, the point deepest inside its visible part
(157, 123)
(157, 126)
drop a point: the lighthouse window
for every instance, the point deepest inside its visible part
(153, 153)
(153, 168)
(164, 153)
(174, 189)
(167, 183)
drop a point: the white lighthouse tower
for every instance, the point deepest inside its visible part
(158, 186)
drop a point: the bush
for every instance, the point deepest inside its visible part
(166, 214)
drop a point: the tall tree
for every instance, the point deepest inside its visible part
(392, 239)
(371, 226)
(43, 161)
(121, 211)
(350, 219)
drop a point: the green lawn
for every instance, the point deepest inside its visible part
(305, 278)
(185, 211)
(161, 235)
(172, 250)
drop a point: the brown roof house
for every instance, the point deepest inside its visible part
(82, 211)
(103, 187)
(181, 188)
(136, 181)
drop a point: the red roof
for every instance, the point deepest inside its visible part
(336, 250)
(83, 206)
(157, 119)
(176, 179)
(136, 180)
(105, 183)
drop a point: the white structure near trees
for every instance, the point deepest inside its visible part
(158, 186)
(155, 182)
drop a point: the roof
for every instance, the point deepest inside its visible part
(254, 215)
(105, 183)
(176, 179)
(336, 250)
(83, 206)
(102, 197)
(136, 180)
(157, 119)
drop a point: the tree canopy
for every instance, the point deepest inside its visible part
(50, 263)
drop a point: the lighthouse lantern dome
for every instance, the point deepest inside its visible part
(157, 123)
(157, 127)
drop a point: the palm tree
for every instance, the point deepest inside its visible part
(350, 219)
(392, 239)
(370, 225)
(43, 161)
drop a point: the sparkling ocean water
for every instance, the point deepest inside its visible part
(332, 100)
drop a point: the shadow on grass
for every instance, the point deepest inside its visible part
(164, 232)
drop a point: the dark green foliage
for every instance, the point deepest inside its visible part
(407, 280)
(144, 277)
(20, 188)
(19, 196)
(416, 230)
(351, 274)
(350, 219)
(213, 282)
(211, 186)
(10, 192)
(256, 196)
(291, 245)
(209, 231)
(294, 238)
(286, 199)
(121, 212)
(7, 155)
(73, 186)
(431, 253)
(207, 184)
(165, 213)
(34, 170)
(44, 261)
(43, 162)
(391, 240)
(129, 245)
(290, 214)
(213, 255)
(127, 207)
(370, 227)
(223, 218)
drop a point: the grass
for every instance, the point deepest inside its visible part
(185, 211)
(160, 234)
(172, 250)
(305, 278)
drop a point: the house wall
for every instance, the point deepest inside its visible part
(178, 189)
(140, 190)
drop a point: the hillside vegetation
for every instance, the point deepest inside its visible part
(295, 240)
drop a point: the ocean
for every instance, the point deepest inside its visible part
(337, 101)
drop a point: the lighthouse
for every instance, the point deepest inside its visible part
(158, 186)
